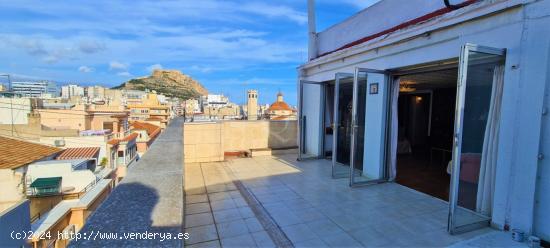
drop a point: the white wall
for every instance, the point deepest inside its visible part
(312, 110)
(375, 127)
(523, 31)
(379, 17)
(78, 179)
(80, 141)
(542, 213)
(19, 107)
(12, 190)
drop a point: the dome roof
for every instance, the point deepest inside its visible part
(279, 106)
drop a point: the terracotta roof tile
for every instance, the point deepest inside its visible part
(132, 136)
(152, 130)
(15, 153)
(79, 153)
(279, 106)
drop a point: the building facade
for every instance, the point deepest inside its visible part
(35, 89)
(14, 110)
(72, 91)
(252, 105)
(464, 85)
(280, 110)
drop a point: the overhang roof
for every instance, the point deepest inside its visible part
(152, 130)
(16, 153)
(78, 153)
(46, 182)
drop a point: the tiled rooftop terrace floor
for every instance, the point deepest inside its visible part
(310, 208)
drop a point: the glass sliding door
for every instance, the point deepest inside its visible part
(341, 143)
(310, 113)
(369, 115)
(477, 113)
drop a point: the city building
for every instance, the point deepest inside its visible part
(72, 91)
(132, 97)
(58, 177)
(147, 133)
(35, 88)
(14, 110)
(3, 88)
(252, 105)
(280, 110)
(192, 107)
(212, 100)
(85, 118)
(150, 109)
(15, 158)
(461, 90)
(229, 111)
(122, 151)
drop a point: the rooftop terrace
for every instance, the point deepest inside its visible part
(268, 201)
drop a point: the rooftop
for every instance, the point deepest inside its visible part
(279, 106)
(125, 139)
(267, 201)
(149, 198)
(152, 130)
(16, 153)
(79, 153)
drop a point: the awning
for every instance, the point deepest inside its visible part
(47, 182)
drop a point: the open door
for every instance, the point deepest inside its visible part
(369, 118)
(479, 91)
(310, 113)
(341, 142)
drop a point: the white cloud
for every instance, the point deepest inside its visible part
(85, 69)
(153, 67)
(276, 11)
(124, 74)
(217, 35)
(203, 69)
(91, 46)
(118, 66)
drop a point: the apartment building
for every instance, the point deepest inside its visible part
(150, 108)
(14, 110)
(45, 188)
(147, 133)
(35, 89)
(71, 91)
(15, 158)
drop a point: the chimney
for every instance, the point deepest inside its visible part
(312, 33)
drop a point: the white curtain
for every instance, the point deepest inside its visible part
(394, 130)
(486, 184)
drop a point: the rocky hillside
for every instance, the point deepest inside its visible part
(171, 83)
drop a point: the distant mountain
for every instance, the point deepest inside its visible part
(172, 83)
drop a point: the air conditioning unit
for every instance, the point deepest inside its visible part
(59, 143)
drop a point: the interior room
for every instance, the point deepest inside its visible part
(426, 109)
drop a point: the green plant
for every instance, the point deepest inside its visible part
(103, 161)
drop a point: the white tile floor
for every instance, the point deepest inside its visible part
(312, 209)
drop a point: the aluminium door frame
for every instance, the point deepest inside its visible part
(336, 120)
(301, 128)
(452, 228)
(388, 79)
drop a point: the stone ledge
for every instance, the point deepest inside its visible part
(148, 200)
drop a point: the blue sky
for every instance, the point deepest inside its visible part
(228, 45)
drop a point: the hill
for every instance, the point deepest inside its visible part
(172, 83)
